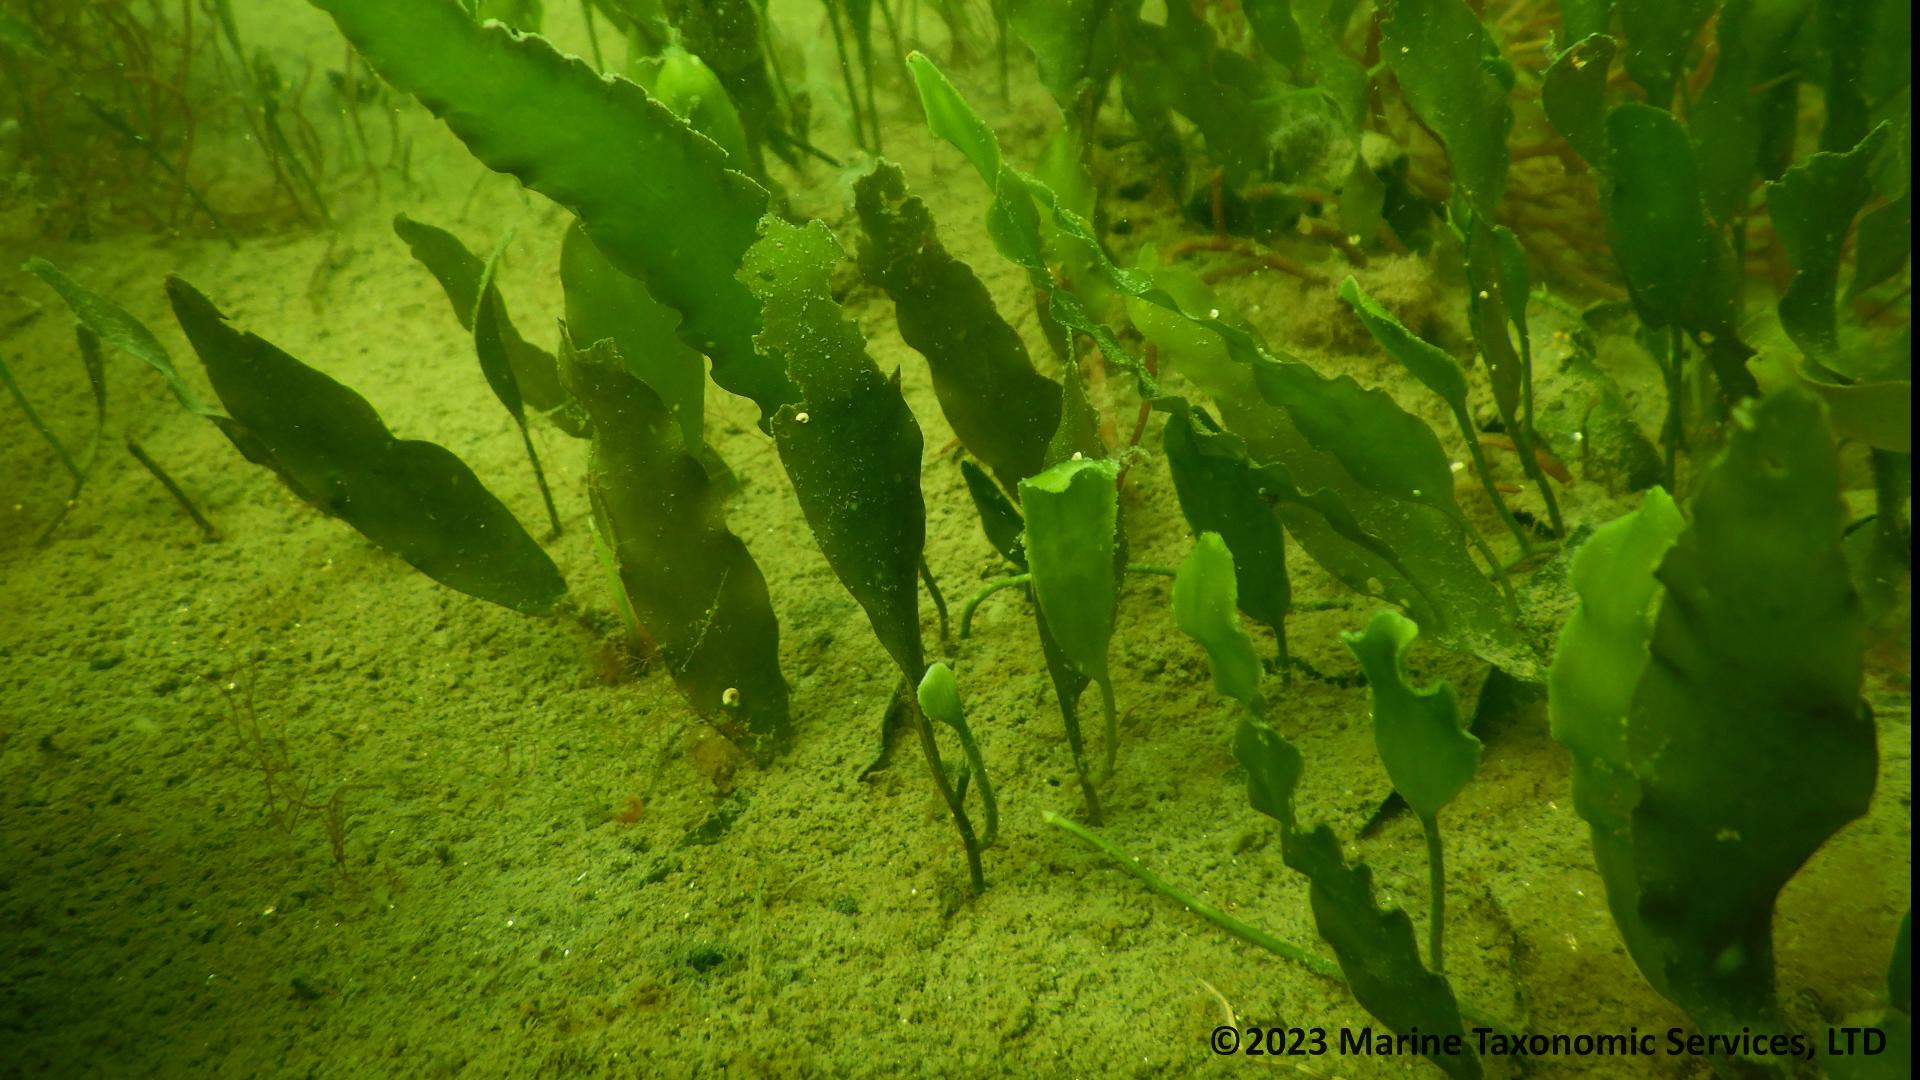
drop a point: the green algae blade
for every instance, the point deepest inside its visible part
(1747, 733)
(1377, 546)
(534, 371)
(1203, 608)
(1276, 31)
(115, 327)
(1497, 287)
(1377, 950)
(1381, 446)
(1812, 206)
(604, 304)
(413, 498)
(582, 140)
(1879, 414)
(1600, 657)
(1654, 211)
(1078, 438)
(1659, 34)
(850, 446)
(1399, 452)
(735, 43)
(1230, 101)
(1429, 755)
(1580, 18)
(1073, 43)
(489, 340)
(1220, 493)
(1068, 685)
(1679, 271)
(1440, 53)
(1424, 360)
(685, 84)
(1002, 410)
(100, 322)
(1405, 555)
(951, 118)
(1000, 520)
(1574, 94)
(490, 344)
(1078, 435)
(1378, 954)
(1274, 768)
(449, 260)
(691, 583)
(852, 449)
(1072, 511)
(1884, 243)
(1022, 204)
(1745, 109)
(1440, 373)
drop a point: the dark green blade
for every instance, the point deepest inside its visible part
(413, 498)
(691, 583)
(851, 447)
(535, 373)
(1001, 408)
(1747, 732)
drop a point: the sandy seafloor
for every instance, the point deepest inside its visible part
(527, 888)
